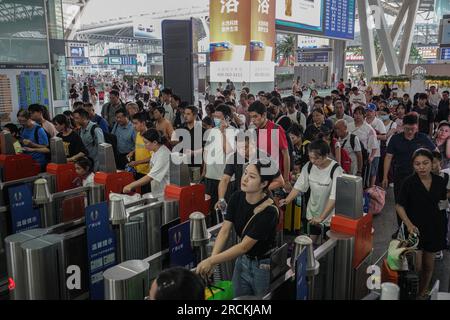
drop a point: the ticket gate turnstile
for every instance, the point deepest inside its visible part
(39, 259)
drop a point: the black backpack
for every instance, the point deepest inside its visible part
(364, 152)
(291, 149)
(109, 138)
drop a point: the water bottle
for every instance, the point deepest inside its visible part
(298, 200)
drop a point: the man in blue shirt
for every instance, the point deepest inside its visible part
(96, 118)
(35, 139)
(400, 149)
(126, 136)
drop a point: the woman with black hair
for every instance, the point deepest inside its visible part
(69, 115)
(177, 284)
(422, 205)
(73, 145)
(254, 218)
(158, 176)
(319, 176)
(84, 169)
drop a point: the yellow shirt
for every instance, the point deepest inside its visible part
(142, 153)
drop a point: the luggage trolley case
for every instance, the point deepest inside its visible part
(293, 217)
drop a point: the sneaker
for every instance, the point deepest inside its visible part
(439, 255)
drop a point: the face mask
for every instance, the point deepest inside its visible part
(217, 122)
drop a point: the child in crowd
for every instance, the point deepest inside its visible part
(297, 170)
(15, 133)
(83, 168)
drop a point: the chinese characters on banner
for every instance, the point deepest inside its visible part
(23, 215)
(180, 250)
(101, 245)
(242, 40)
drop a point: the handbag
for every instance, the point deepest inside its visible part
(377, 197)
(222, 290)
(399, 248)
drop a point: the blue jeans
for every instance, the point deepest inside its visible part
(251, 277)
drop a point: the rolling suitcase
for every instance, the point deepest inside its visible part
(293, 216)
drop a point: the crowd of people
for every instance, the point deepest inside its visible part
(95, 89)
(307, 142)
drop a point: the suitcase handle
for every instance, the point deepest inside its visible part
(322, 230)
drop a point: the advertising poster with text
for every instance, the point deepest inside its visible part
(242, 40)
(262, 42)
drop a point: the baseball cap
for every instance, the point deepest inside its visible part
(371, 107)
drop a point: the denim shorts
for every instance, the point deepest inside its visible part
(251, 277)
(374, 167)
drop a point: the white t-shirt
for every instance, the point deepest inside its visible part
(293, 117)
(434, 99)
(160, 170)
(391, 127)
(368, 137)
(362, 88)
(378, 125)
(361, 97)
(323, 188)
(214, 156)
(346, 142)
(379, 128)
(89, 181)
(170, 115)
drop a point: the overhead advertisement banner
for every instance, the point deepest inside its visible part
(144, 29)
(242, 40)
(141, 59)
(305, 14)
(323, 18)
(262, 41)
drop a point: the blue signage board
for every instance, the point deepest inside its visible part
(114, 52)
(339, 19)
(101, 247)
(445, 53)
(323, 18)
(23, 215)
(300, 276)
(305, 56)
(180, 249)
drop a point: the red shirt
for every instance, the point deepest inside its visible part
(265, 136)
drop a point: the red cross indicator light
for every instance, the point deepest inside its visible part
(11, 284)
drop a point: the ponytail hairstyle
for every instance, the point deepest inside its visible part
(154, 135)
(264, 168)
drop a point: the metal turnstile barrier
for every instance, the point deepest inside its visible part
(37, 260)
(118, 282)
(5, 217)
(129, 280)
